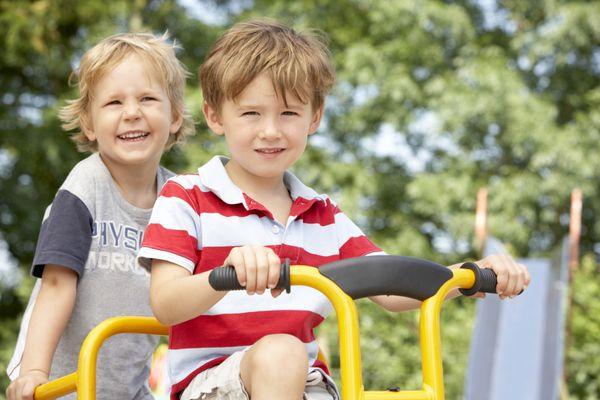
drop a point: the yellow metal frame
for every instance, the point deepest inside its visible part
(84, 379)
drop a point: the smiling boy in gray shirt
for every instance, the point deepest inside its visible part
(130, 109)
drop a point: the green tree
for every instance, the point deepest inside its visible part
(584, 352)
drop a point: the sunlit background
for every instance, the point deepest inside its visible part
(434, 100)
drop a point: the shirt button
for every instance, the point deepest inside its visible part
(275, 229)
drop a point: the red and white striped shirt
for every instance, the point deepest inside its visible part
(199, 218)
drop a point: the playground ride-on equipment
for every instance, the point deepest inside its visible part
(342, 282)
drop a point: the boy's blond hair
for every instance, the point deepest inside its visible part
(295, 62)
(156, 51)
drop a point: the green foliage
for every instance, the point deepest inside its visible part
(583, 354)
(9, 327)
(390, 346)
(394, 335)
(478, 104)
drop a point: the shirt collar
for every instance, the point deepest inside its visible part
(214, 176)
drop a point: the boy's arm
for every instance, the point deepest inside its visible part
(51, 312)
(176, 295)
(512, 279)
(396, 303)
(401, 304)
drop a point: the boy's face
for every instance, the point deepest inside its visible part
(264, 136)
(130, 115)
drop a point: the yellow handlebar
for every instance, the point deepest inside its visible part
(84, 379)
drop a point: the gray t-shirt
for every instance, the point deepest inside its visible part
(91, 229)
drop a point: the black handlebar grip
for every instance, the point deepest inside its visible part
(224, 278)
(485, 280)
(488, 280)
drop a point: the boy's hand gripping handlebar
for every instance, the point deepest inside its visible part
(485, 280)
(225, 278)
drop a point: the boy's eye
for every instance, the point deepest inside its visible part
(289, 113)
(148, 98)
(113, 102)
(249, 113)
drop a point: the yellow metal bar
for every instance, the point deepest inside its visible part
(350, 364)
(350, 361)
(401, 395)
(431, 348)
(86, 382)
(321, 357)
(56, 388)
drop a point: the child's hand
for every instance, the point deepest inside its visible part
(512, 277)
(257, 268)
(24, 386)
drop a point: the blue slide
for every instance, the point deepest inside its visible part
(517, 345)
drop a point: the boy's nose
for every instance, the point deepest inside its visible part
(131, 111)
(270, 131)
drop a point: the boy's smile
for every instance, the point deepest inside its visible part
(133, 135)
(270, 152)
(264, 135)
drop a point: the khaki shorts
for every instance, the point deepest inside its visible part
(223, 382)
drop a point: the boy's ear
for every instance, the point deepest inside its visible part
(176, 123)
(213, 119)
(316, 119)
(87, 128)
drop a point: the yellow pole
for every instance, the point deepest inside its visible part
(56, 388)
(86, 382)
(350, 365)
(402, 395)
(431, 348)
